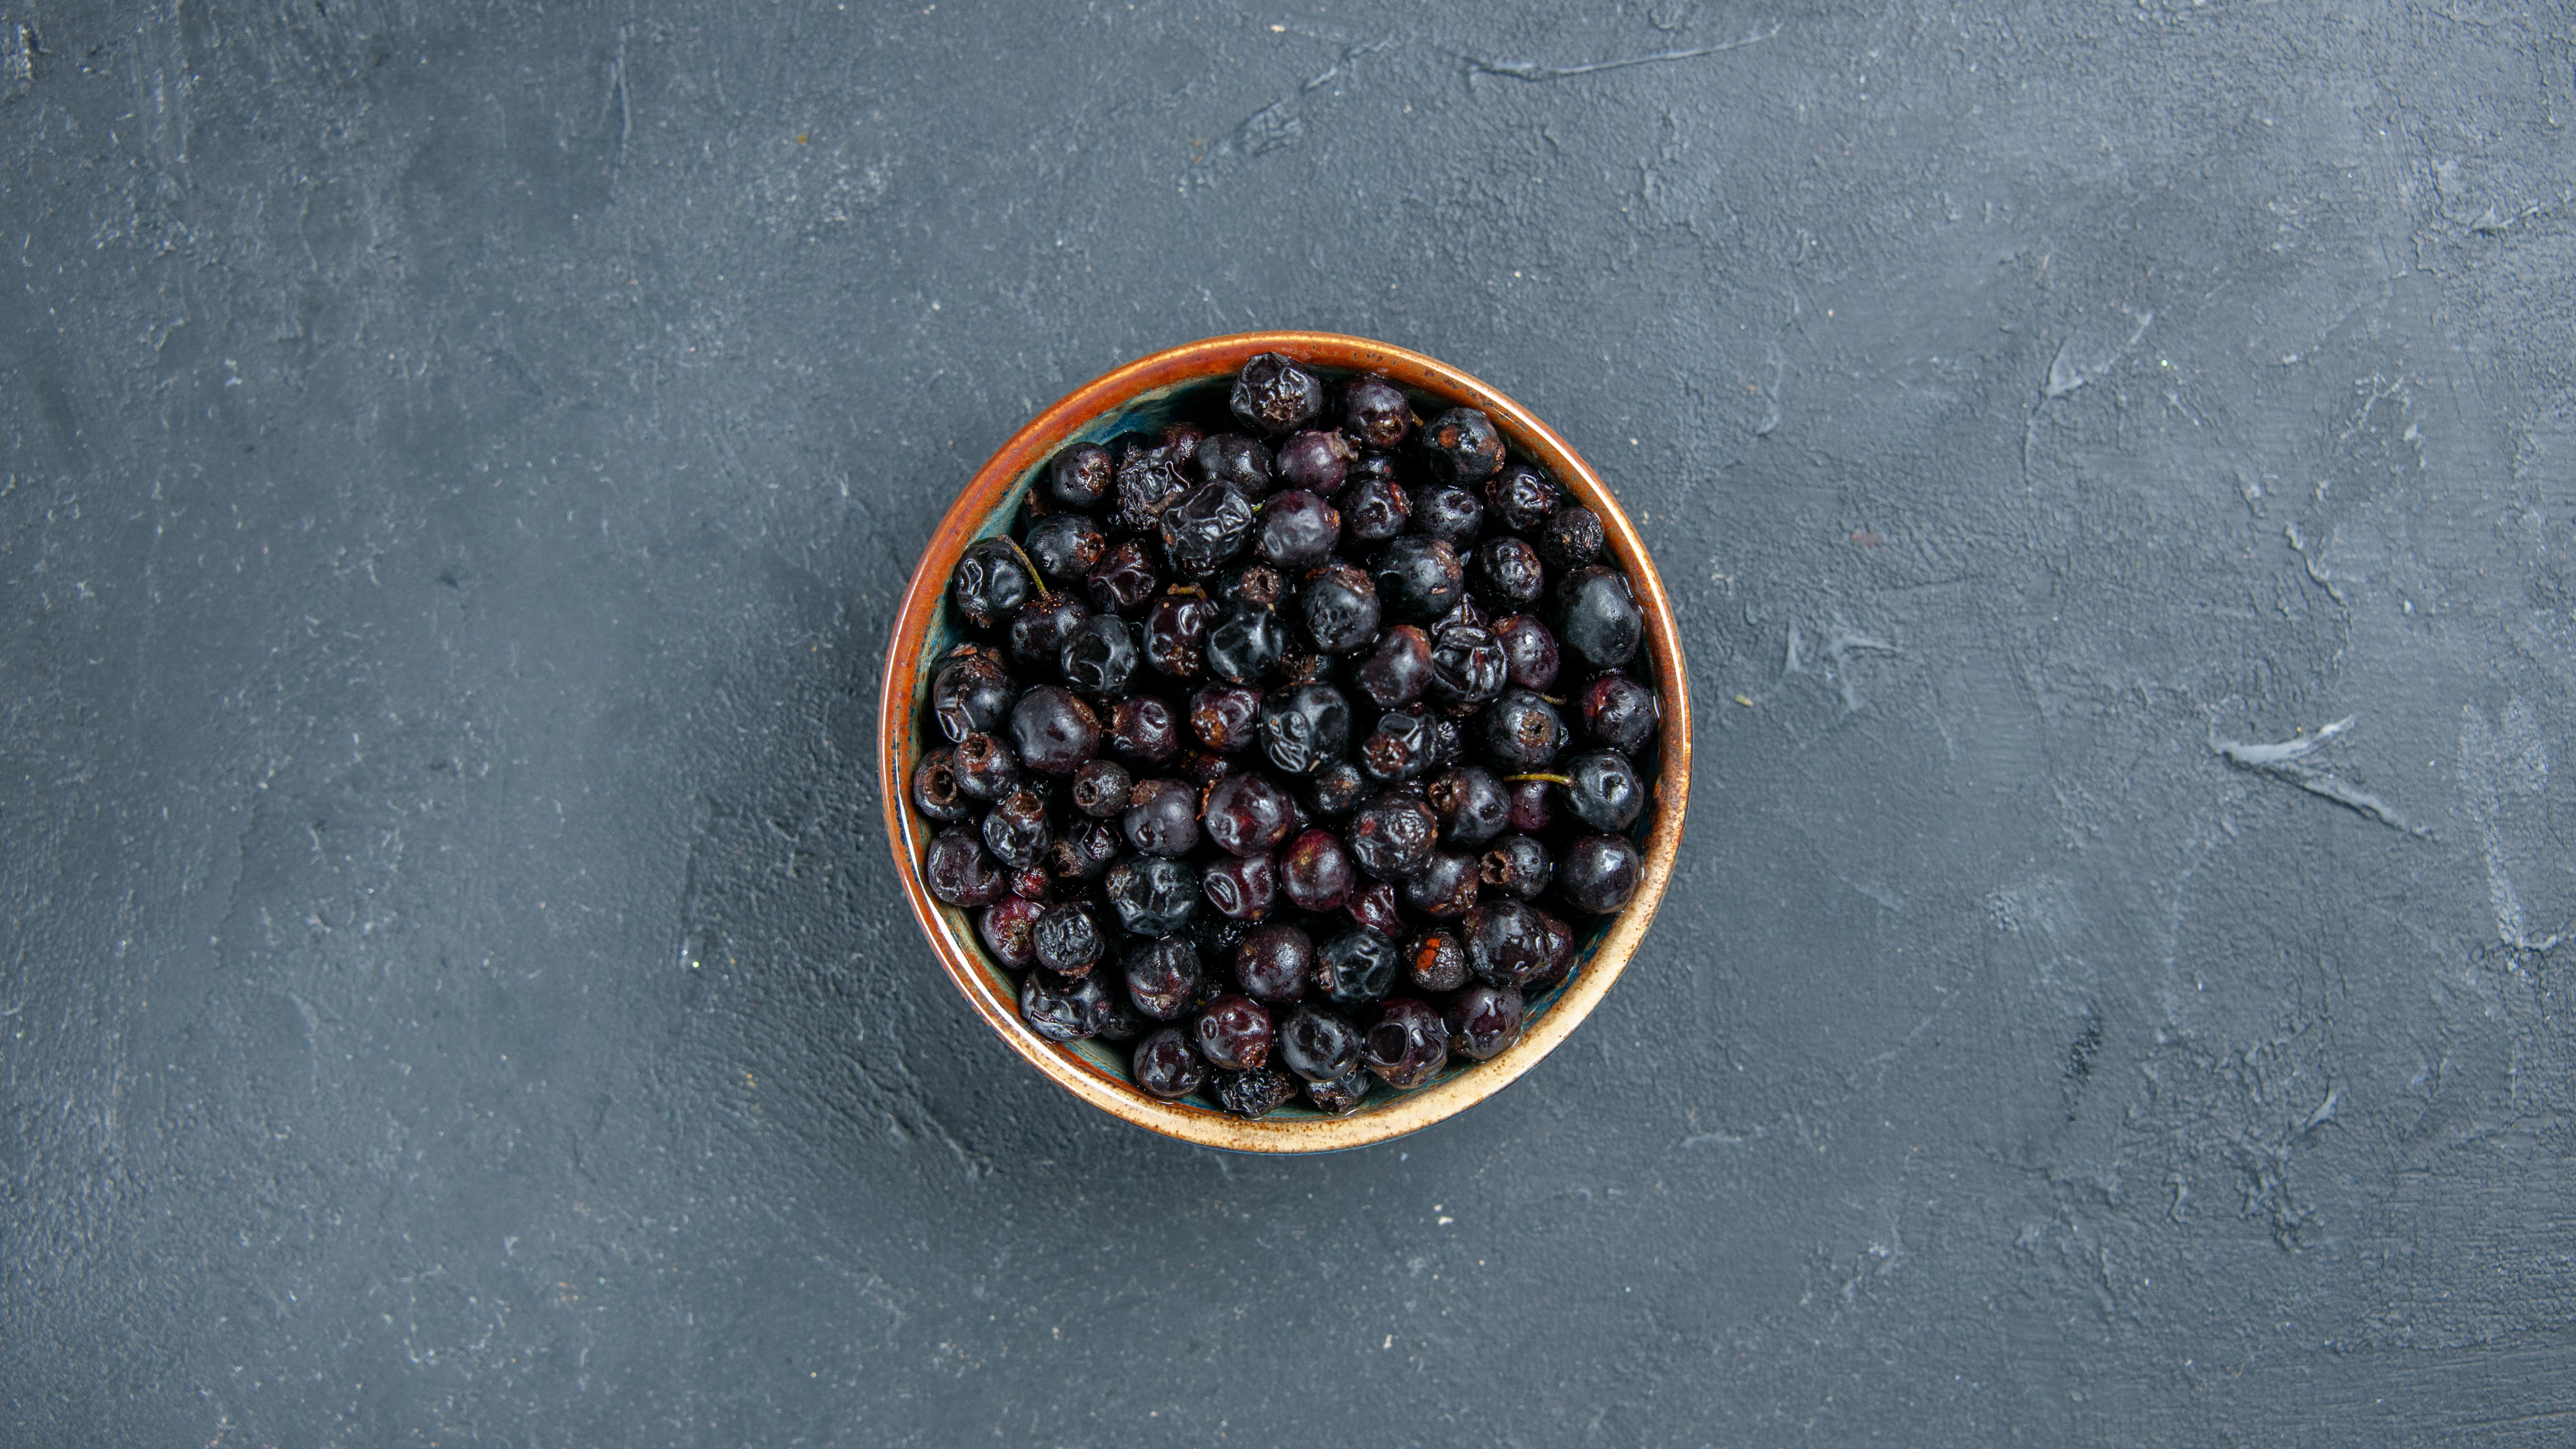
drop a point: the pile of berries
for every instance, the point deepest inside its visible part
(1283, 753)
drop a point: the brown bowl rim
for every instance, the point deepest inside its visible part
(1039, 439)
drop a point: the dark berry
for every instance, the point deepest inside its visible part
(990, 582)
(1377, 412)
(1299, 530)
(1153, 896)
(1053, 731)
(1341, 1096)
(1466, 666)
(1203, 769)
(1142, 728)
(1082, 852)
(1147, 485)
(1162, 818)
(1376, 510)
(1318, 1045)
(1436, 961)
(1039, 631)
(1175, 633)
(1009, 928)
(934, 788)
(970, 694)
(1205, 529)
(1305, 727)
(1257, 584)
(1619, 713)
(1099, 659)
(1418, 578)
(1518, 864)
(1246, 643)
(1081, 476)
(1398, 670)
(1597, 618)
(1483, 1020)
(1166, 1066)
(1373, 466)
(1234, 1033)
(1444, 888)
(1448, 512)
(1240, 463)
(986, 768)
(1506, 941)
(1470, 804)
(1272, 963)
(1379, 907)
(1124, 581)
(1065, 547)
(1572, 538)
(959, 871)
(1317, 462)
(1100, 789)
(1339, 608)
(1522, 498)
(1274, 395)
(1015, 830)
(1241, 888)
(1215, 937)
(1315, 872)
(1560, 956)
(1255, 1094)
(1533, 805)
(1407, 1045)
(1598, 874)
(1061, 1010)
(1183, 437)
(1462, 446)
(1602, 790)
(1124, 1022)
(1399, 748)
(1392, 836)
(1163, 977)
(1508, 574)
(1069, 940)
(1033, 884)
(1356, 967)
(1336, 790)
(1521, 732)
(1248, 815)
(1225, 717)
(1529, 652)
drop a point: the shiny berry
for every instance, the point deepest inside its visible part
(1241, 888)
(1373, 466)
(1153, 896)
(1065, 547)
(1506, 941)
(1069, 940)
(1205, 529)
(1166, 1065)
(1560, 955)
(959, 871)
(1162, 818)
(1376, 510)
(1175, 634)
(1317, 462)
(1203, 769)
(1033, 884)
(1341, 1096)
(1246, 814)
(1448, 512)
(1225, 717)
(1298, 530)
(1053, 731)
(1318, 1045)
(1082, 852)
(1508, 574)
(1597, 619)
(1009, 928)
(1142, 728)
(1183, 437)
(1099, 659)
(1483, 1020)
(1517, 864)
(1039, 631)
(1377, 412)
(1467, 666)
(1598, 874)
(1356, 967)
(1436, 961)
(1234, 1033)
(1444, 888)
(1147, 485)
(1163, 977)
(1272, 963)
(1533, 805)
(1392, 836)
(1573, 538)
(1462, 446)
(1407, 1045)
(1015, 830)
(1418, 578)
(1339, 608)
(1529, 651)
(934, 788)
(1379, 907)
(990, 582)
(1254, 1095)
(1521, 732)
(1315, 872)
(1399, 748)
(1470, 804)
(1522, 498)
(1305, 727)
(1255, 583)
(1618, 713)
(970, 694)
(1124, 581)
(1061, 1010)
(1602, 790)
(986, 768)
(1336, 790)
(1246, 643)
(1240, 463)
(1272, 394)
(1080, 477)
(1100, 789)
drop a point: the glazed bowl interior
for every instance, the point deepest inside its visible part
(1194, 382)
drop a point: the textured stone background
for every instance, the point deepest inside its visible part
(458, 462)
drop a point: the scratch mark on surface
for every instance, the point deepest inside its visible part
(2284, 762)
(1523, 70)
(2491, 768)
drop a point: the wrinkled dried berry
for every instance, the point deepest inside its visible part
(990, 582)
(1241, 888)
(934, 787)
(1483, 1020)
(1466, 666)
(1247, 814)
(1317, 1045)
(1225, 717)
(1100, 789)
(1444, 888)
(1436, 961)
(1305, 728)
(1272, 394)
(1175, 634)
(1234, 1032)
(1205, 529)
(1392, 836)
(1508, 574)
(1418, 578)
(1255, 1094)
(1062, 1010)
(1009, 928)
(1521, 732)
(1377, 412)
(1124, 580)
(1246, 643)
(1166, 1065)
(1339, 608)
(1065, 547)
(1098, 659)
(971, 694)
(1470, 804)
(1144, 730)
(1069, 940)
(1462, 446)
(1356, 967)
(1571, 539)
(1448, 512)
(1081, 476)
(1152, 895)
(1163, 977)
(1375, 510)
(1162, 818)
(1619, 713)
(1522, 498)
(1408, 1044)
(1336, 790)
(1015, 829)
(960, 871)
(1039, 630)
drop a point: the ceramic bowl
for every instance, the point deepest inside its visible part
(1141, 396)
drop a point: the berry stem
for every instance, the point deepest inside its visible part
(1551, 779)
(1031, 565)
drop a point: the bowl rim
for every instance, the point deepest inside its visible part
(908, 836)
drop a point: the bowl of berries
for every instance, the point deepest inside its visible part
(1285, 741)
